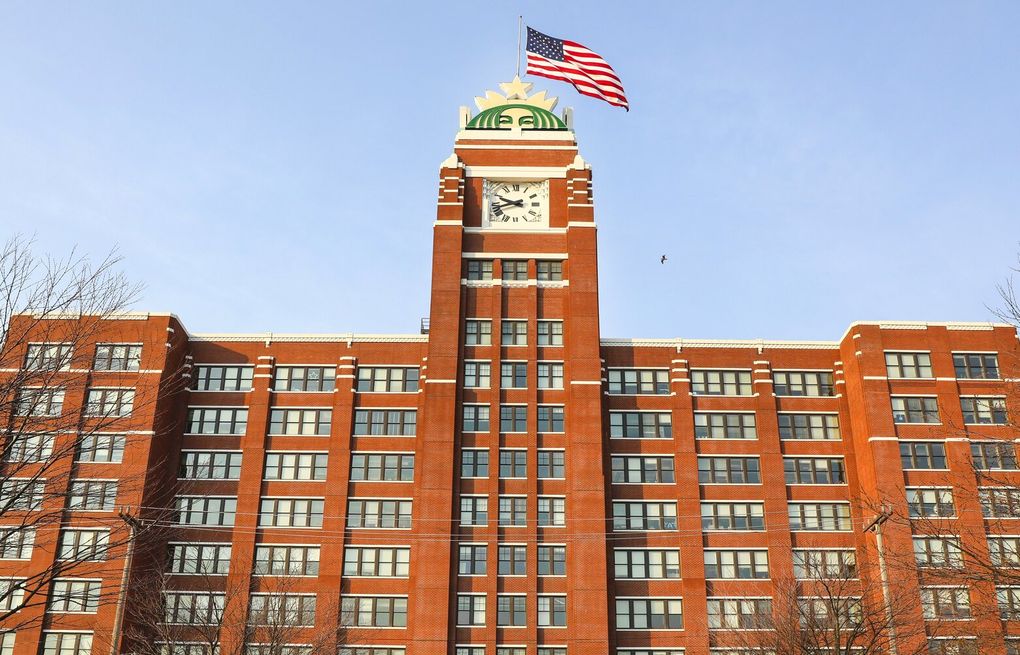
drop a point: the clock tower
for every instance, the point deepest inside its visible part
(514, 464)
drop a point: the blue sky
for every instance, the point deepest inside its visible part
(272, 166)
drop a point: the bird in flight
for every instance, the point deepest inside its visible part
(663, 259)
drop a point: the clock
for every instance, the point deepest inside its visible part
(516, 204)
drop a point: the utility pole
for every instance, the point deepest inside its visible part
(135, 526)
(876, 527)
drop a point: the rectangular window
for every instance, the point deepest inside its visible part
(809, 426)
(803, 383)
(732, 516)
(476, 418)
(49, 356)
(205, 510)
(959, 646)
(646, 564)
(736, 564)
(550, 418)
(729, 425)
(282, 610)
(470, 609)
(549, 271)
(378, 513)
(117, 357)
(938, 552)
(209, 465)
(824, 564)
(818, 611)
(200, 559)
(217, 420)
(472, 559)
(477, 375)
(1000, 502)
(39, 402)
(640, 425)
(377, 562)
(474, 463)
(513, 375)
(631, 381)
(514, 269)
(551, 464)
(983, 411)
(474, 511)
(513, 418)
(1004, 551)
(295, 466)
(649, 614)
(550, 375)
(290, 512)
(83, 545)
(511, 611)
(382, 467)
(101, 448)
(513, 463)
(222, 378)
(109, 402)
(635, 469)
(194, 607)
(513, 559)
(7, 643)
(729, 470)
(289, 560)
(739, 613)
(16, 542)
(387, 379)
(513, 511)
(92, 495)
(513, 333)
(550, 333)
(552, 560)
(477, 332)
(552, 511)
(304, 378)
(21, 494)
(945, 602)
(67, 643)
(552, 611)
(994, 456)
(976, 366)
(721, 383)
(374, 611)
(923, 454)
(300, 421)
(30, 447)
(643, 515)
(915, 409)
(908, 365)
(814, 470)
(819, 516)
(12, 594)
(930, 503)
(478, 269)
(385, 422)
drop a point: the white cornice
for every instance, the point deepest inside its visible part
(348, 337)
(516, 172)
(720, 343)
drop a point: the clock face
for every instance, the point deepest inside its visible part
(516, 204)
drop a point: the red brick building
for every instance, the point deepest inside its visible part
(510, 482)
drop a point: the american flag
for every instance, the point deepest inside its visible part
(571, 62)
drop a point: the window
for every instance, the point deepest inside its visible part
(282, 610)
(12, 594)
(819, 516)
(39, 402)
(732, 516)
(513, 375)
(101, 448)
(117, 357)
(470, 609)
(92, 495)
(550, 375)
(550, 418)
(7, 643)
(474, 463)
(1004, 551)
(639, 381)
(29, 447)
(377, 562)
(476, 418)
(940, 552)
(721, 383)
(67, 643)
(915, 409)
(646, 564)
(554, 650)
(223, 378)
(511, 611)
(513, 511)
(644, 515)
(550, 333)
(552, 611)
(923, 454)
(736, 564)
(477, 332)
(729, 470)
(550, 271)
(649, 614)
(640, 425)
(478, 269)
(824, 564)
(803, 383)
(976, 366)
(472, 559)
(552, 511)
(200, 559)
(513, 463)
(217, 420)
(388, 422)
(514, 333)
(290, 560)
(808, 426)
(814, 470)
(304, 378)
(295, 466)
(49, 356)
(300, 421)
(209, 465)
(266, 649)
(933, 502)
(957, 646)
(194, 607)
(739, 613)
(1000, 502)
(376, 467)
(374, 611)
(16, 542)
(550, 464)
(513, 418)
(994, 456)
(646, 470)
(511, 650)
(109, 402)
(514, 269)
(552, 560)
(373, 513)
(21, 494)
(474, 510)
(908, 365)
(387, 379)
(205, 510)
(477, 375)
(290, 512)
(724, 425)
(829, 612)
(945, 602)
(978, 411)
(83, 545)
(74, 596)
(470, 650)
(513, 559)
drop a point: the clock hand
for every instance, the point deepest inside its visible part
(517, 203)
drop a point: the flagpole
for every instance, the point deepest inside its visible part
(520, 23)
